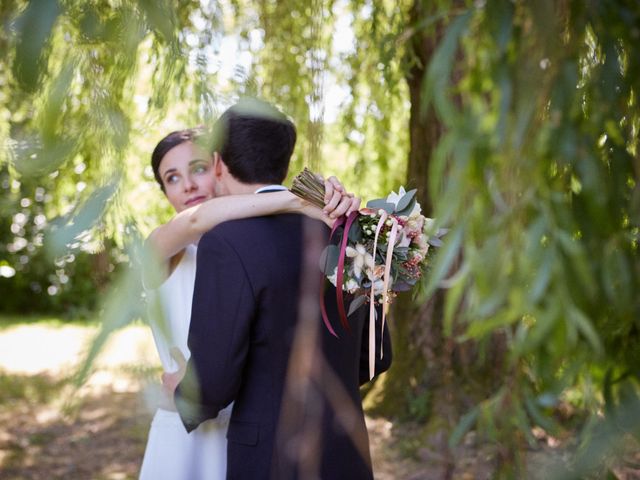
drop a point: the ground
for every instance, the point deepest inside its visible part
(49, 429)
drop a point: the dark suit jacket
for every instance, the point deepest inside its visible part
(244, 316)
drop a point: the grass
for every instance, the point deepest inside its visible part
(47, 425)
(14, 320)
(33, 388)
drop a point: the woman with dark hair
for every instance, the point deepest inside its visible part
(184, 171)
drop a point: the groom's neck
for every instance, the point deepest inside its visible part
(238, 188)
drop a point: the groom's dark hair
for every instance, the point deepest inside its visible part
(255, 141)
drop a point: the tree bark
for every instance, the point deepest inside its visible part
(420, 382)
(414, 351)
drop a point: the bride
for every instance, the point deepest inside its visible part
(183, 170)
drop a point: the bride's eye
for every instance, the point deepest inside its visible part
(201, 168)
(171, 179)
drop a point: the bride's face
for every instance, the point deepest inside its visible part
(187, 176)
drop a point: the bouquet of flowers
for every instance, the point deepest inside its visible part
(382, 250)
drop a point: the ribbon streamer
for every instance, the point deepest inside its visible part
(340, 276)
(323, 308)
(387, 274)
(372, 306)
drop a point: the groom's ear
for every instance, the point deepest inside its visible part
(218, 166)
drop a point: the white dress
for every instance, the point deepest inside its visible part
(172, 453)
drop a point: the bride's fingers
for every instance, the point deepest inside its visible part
(329, 190)
(355, 205)
(335, 200)
(336, 183)
(342, 208)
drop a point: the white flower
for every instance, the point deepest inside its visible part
(405, 240)
(333, 278)
(361, 259)
(378, 287)
(351, 285)
(428, 223)
(416, 212)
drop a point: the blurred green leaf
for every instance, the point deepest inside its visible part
(544, 421)
(444, 260)
(457, 287)
(85, 218)
(33, 27)
(585, 327)
(465, 424)
(438, 76)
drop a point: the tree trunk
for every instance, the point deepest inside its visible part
(420, 385)
(417, 332)
(434, 379)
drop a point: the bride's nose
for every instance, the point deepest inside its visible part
(189, 184)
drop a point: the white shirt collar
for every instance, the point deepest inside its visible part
(270, 187)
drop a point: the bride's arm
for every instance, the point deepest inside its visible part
(189, 225)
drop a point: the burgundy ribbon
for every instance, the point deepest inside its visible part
(347, 222)
(340, 277)
(323, 308)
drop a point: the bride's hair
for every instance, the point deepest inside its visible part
(167, 143)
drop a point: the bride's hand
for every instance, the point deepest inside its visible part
(171, 380)
(337, 200)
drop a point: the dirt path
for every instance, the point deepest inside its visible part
(49, 430)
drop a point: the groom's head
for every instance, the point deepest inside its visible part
(253, 144)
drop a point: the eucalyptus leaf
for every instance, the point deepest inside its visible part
(405, 201)
(402, 286)
(408, 209)
(381, 203)
(329, 259)
(355, 233)
(356, 303)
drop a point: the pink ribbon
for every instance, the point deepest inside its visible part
(372, 306)
(387, 276)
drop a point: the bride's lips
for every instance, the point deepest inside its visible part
(195, 200)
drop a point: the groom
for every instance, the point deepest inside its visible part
(244, 321)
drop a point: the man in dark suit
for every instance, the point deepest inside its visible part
(256, 335)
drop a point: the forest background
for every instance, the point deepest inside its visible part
(517, 122)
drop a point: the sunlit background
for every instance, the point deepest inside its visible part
(518, 123)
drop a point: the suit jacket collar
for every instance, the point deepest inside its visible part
(270, 188)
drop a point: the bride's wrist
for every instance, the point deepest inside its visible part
(295, 204)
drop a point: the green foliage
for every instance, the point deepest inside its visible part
(537, 174)
(85, 100)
